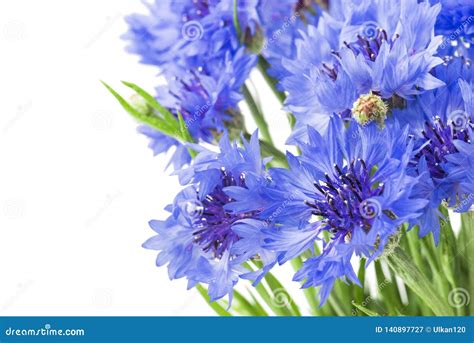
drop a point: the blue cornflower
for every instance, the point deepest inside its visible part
(195, 44)
(383, 48)
(456, 24)
(177, 35)
(460, 169)
(204, 240)
(208, 104)
(349, 189)
(442, 123)
(281, 25)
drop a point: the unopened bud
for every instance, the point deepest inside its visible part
(370, 107)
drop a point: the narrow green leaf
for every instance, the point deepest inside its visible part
(267, 298)
(410, 240)
(332, 307)
(281, 296)
(263, 66)
(335, 305)
(341, 296)
(257, 304)
(183, 130)
(358, 292)
(466, 254)
(153, 103)
(279, 158)
(218, 308)
(365, 310)
(403, 266)
(243, 306)
(386, 288)
(236, 20)
(277, 299)
(257, 115)
(185, 135)
(150, 119)
(309, 292)
(434, 263)
(449, 251)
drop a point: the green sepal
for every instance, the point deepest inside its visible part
(151, 101)
(151, 119)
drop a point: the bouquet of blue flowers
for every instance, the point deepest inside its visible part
(373, 206)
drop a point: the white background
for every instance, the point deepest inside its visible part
(77, 183)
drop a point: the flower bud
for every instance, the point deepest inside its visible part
(370, 107)
(140, 105)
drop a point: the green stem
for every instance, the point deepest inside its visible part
(387, 291)
(236, 20)
(263, 66)
(247, 307)
(220, 310)
(310, 292)
(413, 244)
(334, 303)
(358, 292)
(279, 158)
(404, 267)
(257, 115)
(467, 254)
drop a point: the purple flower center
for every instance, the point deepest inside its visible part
(369, 46)
(214, 223)
(346, 200)
(199, 9)
(438, 142)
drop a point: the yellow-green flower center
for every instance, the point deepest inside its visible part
(370, 107)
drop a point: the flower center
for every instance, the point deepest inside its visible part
(213, 223)
(370, 107)
(370, 42)
(197, 10)
(346, 200)
(438, 140)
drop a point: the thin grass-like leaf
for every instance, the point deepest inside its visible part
(150, 119)
(403, 266)
(216, 306)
